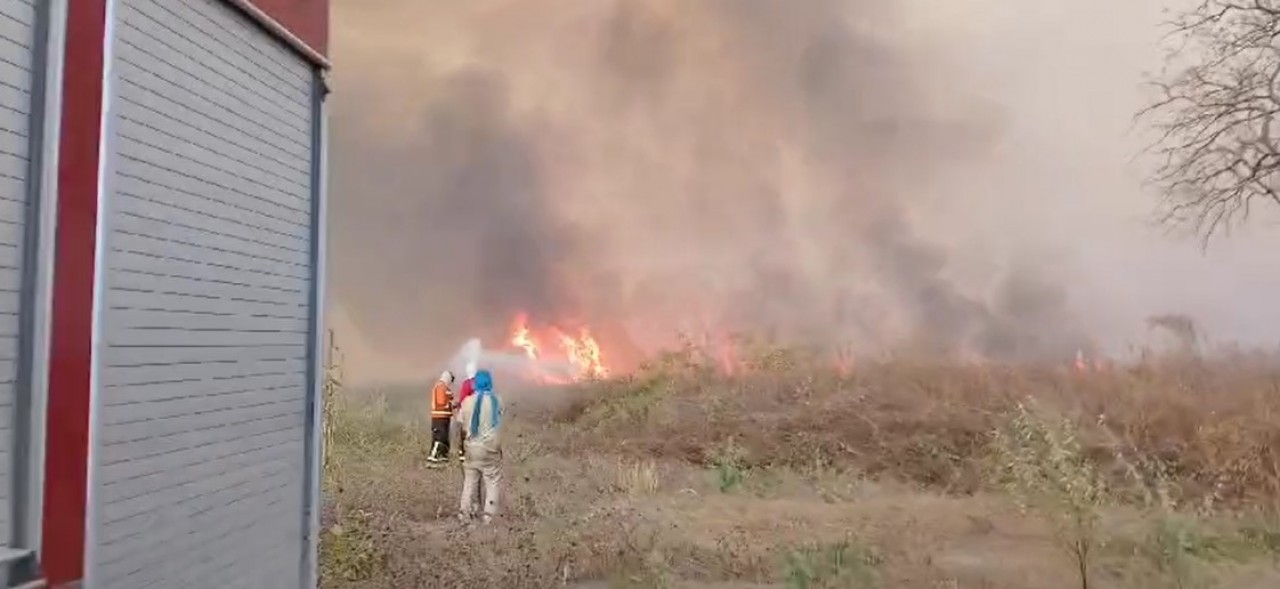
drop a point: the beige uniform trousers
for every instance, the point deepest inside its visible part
(483, 465)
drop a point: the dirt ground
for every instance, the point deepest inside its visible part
(630, 485)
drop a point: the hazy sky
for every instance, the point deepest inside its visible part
(960, 172)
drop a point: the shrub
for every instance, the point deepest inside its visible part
(1041, 464)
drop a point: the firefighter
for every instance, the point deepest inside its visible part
(481, 416)
(441, 417)
(466, 390)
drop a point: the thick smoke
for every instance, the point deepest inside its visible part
(462, 215)
(744, 165)
(650, 166)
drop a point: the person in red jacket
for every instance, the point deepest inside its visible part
(467, 389)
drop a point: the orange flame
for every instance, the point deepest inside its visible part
(729, 362)
(520, 337)
(1083, 364)
(844, 360)
(582, 352)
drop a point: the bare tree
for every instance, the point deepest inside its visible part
(1216, 112)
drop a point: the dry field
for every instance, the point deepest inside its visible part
(901, 474)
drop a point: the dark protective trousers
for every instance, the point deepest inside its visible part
(440, 437)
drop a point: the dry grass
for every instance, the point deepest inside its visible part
(893, 476)
(639, 477)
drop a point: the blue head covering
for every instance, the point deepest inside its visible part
(484, 393)
(484, 382)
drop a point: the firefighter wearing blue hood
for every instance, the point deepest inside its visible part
(481, 418)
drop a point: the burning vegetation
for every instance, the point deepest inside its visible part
(558, 355)
(579, 350)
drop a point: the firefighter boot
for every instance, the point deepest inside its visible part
(435, 456)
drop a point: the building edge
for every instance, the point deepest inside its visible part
(301, 24)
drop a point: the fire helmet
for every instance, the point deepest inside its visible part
(446, 377)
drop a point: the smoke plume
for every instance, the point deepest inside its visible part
(652, 166)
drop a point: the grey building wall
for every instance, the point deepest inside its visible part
(17, 37)
(32, 36)
(202, 394)
(19, 121)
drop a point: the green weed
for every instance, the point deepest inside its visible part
(844, 565)
(349, 549)
(728, 466)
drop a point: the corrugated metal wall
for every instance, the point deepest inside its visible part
(199, 471)
(17, 39)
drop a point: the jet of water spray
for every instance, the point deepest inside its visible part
(506, 364)
(469, 353)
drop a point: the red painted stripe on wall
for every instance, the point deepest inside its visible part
(71, 353)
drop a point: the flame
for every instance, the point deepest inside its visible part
(844, 360)
(520, 337)
(1083, 364)
(728, 356)
(582, 351)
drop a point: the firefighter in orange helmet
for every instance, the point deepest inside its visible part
(441, 417)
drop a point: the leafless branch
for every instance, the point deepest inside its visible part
(1216, 115)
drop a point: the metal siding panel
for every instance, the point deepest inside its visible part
(250, 517)
(9, 348)
(9, 300)
(203, 367)
(15, 14)
(270, 386)
(270, 529)
(250, 75)
(276, 57)
(125, 473)
(8, 372)
(17, 38)
(187, 160)
(206, 368)
(211, 103)
(207, 485)
(13, 99)
(12, 122)
(208, 118)
(172, 33)
(188, 248)
(183, 215)
(116, 356)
